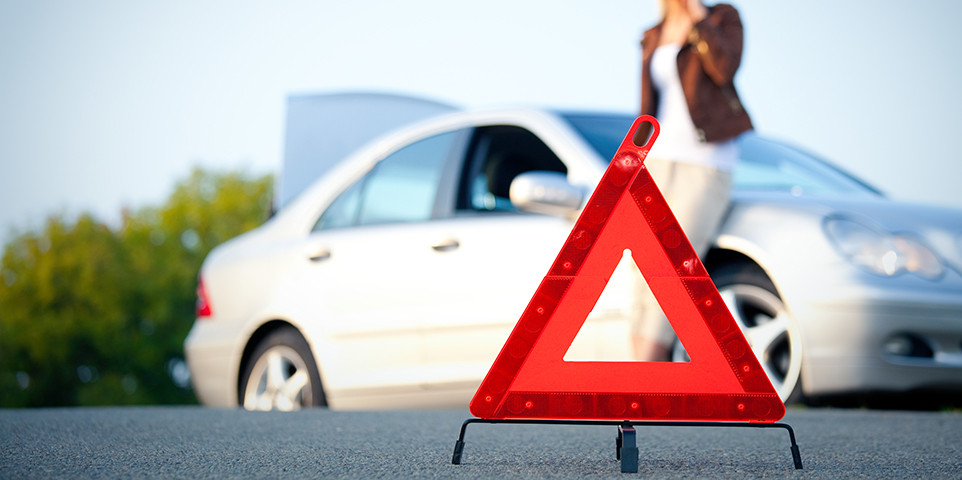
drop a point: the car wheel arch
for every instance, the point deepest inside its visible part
(254, 340)
(719, 257)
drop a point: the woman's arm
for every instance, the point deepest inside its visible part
(717, 39)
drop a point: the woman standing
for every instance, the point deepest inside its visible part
(689, 60)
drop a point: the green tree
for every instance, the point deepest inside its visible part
(91, 315)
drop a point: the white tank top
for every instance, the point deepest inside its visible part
(678, 139)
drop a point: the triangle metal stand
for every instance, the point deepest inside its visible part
(626, 449)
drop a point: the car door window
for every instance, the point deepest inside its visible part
(400, 188)
(499, 154)
(343, 211)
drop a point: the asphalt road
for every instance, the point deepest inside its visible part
(195, 442)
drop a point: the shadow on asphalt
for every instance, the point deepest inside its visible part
(914, 401)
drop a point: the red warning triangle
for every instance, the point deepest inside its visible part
(722, 382)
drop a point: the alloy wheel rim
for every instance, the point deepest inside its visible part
(278, 381)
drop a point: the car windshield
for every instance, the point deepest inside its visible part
(764, 165)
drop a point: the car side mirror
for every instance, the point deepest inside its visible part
(546, 192)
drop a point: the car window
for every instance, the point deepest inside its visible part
(343, 211)
(400, 188)
(763, 165)
(771, 166)
(497, 155)
(603, 132)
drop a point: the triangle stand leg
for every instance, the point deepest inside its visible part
(626, 449)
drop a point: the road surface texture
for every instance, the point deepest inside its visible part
(196, 442)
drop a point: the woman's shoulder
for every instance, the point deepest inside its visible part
(651, 35)
(722, 9)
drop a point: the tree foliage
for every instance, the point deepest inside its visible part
(94, 315)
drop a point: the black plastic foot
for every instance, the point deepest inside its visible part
(796, 457)
(458, 449)
(618, 446)
(628, 451)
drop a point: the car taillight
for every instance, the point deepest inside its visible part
(203, 305)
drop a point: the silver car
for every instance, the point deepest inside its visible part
(394, 280)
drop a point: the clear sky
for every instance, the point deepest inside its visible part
(106, 103)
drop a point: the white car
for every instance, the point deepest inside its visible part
(394, 280)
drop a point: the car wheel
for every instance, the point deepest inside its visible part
(772, 333)
(281, 374)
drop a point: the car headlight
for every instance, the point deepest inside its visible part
(882, 252)
(918, 258)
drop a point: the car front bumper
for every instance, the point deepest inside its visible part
(848, 344)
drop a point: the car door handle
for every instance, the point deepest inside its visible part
(446, 245)
(320, 255)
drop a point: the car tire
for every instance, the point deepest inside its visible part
(772, 333)
(281, 374)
